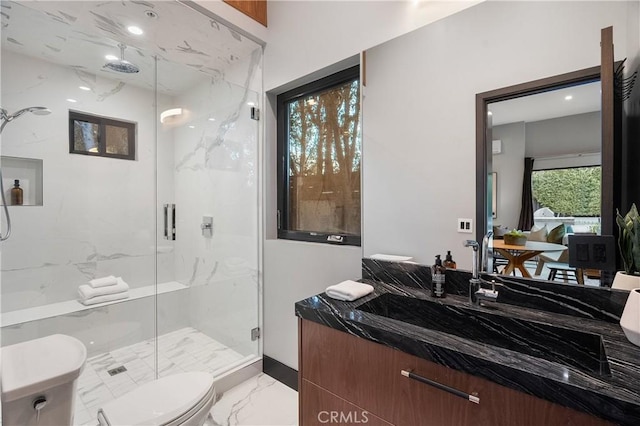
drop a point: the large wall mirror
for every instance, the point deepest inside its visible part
(554, 145)
(420, 171)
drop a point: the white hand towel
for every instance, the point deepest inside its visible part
(103, 282)
(87, 292)
(106, 298)
(348, 290)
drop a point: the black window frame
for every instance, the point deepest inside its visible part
(102, 122)
(283, 219)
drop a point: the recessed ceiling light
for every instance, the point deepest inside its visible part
(192, 127)
(111, 57)
(135, 30)
(568, 98)
(71, 100)
(212, 119)
(84, 88)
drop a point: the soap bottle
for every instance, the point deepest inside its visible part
(449, 262)
(16, 193)
(437, 279)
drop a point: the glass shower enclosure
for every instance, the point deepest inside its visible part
(170, 208)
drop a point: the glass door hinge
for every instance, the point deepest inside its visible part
(255, 333)
(255, 113)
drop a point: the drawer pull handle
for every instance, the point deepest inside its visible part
(445, 388)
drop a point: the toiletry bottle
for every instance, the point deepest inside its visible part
(16, 194)
(437, 278)
(449, 262)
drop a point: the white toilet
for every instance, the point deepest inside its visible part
(181, 399)
(39, 381)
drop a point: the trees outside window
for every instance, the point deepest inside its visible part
(319, 143)
(569, 192)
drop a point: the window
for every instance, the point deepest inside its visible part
(319, 160)
(101, 136)
(568, 192)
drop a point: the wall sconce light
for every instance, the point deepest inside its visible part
(170, 113)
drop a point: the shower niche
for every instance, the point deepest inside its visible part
(29, 172)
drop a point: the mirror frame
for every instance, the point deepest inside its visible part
(483, 146)
(611, 182)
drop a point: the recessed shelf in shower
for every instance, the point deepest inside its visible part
(29, 172)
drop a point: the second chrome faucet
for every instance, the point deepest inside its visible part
(476, 292)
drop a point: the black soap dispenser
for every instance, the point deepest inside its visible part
(437, 279)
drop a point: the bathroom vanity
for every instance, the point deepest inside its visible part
(522, 366)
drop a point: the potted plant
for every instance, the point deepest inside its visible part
(629, 245)
(515, 237)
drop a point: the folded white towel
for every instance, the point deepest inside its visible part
(349, 290)
(103, 282)
(87, 292)
(107, 298)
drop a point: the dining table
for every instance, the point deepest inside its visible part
(517, 255)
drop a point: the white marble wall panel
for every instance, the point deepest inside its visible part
(99, 214)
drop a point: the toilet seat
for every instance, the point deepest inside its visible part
(169, 401)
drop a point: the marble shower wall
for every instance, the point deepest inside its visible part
(216, 175)
(98, 215)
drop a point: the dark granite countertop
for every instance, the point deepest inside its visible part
(614, 396)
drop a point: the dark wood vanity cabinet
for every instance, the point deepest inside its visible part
(359, 382)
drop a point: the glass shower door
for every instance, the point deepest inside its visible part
(208, 202)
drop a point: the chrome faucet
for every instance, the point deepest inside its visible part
(485, 251)
(476, 292)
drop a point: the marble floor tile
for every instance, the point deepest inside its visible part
(182, 350)
(252, 403)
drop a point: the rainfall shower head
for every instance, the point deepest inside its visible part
(6, 117)
(122, 65)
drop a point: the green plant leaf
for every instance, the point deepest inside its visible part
(635, 243)
(626, 239)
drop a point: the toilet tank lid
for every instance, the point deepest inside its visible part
(37, 365)
(160, 401)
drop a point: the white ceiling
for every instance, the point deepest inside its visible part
(547, 105)
(189, 46)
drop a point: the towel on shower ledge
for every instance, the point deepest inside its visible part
(348, 290)
(87, 292)
(107, 298)
(103, 282)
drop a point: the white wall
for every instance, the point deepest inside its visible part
(509, 166)
(307, 36)
(580, 133)
(419, 109)
(304, 38)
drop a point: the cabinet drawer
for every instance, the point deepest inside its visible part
(322, 408)
(362, 372)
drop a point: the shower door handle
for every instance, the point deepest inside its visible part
(173, 221)
(166, 221)
(170, 222)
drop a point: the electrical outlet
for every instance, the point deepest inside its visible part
(465, 225)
